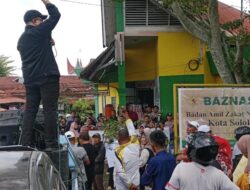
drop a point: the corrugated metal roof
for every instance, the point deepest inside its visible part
(94, 70)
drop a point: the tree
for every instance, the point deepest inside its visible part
(225, 42)
(5, 68)
(111, 127)
(83, 107)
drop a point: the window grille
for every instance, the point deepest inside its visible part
(146, 13)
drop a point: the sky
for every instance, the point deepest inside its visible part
(77, 35)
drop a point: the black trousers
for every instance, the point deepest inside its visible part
(90, 177)
(111, 180)
(48, 93)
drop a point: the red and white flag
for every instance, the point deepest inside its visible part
(71, 69)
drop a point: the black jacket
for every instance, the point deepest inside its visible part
(34, 45)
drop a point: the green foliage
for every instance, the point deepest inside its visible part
(193, 7)
(200, 18)
(111, 127)
(67, 106)
(5, 68)
(138, 123)
(232, 25)
(83, 107)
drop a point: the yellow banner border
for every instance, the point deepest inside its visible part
(175, 98)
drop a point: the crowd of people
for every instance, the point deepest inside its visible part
(141, 155)
(98, 151)
(139, 158)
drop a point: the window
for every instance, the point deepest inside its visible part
(146, 13)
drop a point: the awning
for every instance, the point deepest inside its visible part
(95, 70)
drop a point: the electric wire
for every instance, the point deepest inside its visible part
(83, 3)
(92, 4)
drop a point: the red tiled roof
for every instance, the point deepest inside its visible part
(10, 88)
(228, 14)
(70, 86)
(73, 86)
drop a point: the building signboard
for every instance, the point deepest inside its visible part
(223, 109)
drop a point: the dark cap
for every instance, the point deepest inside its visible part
(96, 135)
(169, 114)
(31, 14)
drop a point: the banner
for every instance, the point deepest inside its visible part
(223, 109)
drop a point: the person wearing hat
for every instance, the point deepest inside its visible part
(40, 73)
(192, 127)
(81, 158)
(224, 157)
(100, 153)
(199, 174)
(191, 130)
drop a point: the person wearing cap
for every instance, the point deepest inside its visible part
(192, 127)
(81, 158)
(224, 157)
(191, 130)
(40, 73)
(100, 153)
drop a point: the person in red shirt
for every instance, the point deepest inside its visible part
(133, 115)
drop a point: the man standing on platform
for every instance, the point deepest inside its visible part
(40, 72)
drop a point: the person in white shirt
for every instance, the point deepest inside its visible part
(126, 170)
(129, 124)
(110, 146)
(146, 150)
(199, 174)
